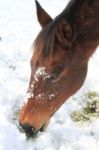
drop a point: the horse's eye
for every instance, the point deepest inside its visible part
(55, 74)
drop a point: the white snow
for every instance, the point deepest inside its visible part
(41, 72)
(18, 28)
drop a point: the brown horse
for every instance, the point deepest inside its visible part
(59, 63)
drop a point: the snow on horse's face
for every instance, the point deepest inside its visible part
(58, 70)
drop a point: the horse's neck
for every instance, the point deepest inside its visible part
(90, 49)
(71, 7)
(86, 28)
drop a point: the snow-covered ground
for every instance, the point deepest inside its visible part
(18, 28)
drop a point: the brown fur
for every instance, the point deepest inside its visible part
(63, 48)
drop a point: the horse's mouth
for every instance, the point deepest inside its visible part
(31, 131)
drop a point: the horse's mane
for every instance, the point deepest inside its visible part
(46, 39)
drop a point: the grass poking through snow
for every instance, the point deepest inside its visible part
(89, 110)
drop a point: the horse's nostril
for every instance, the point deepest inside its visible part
(29, 130)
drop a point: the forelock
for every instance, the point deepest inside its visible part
(46, 39)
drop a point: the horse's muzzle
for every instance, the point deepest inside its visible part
(30, 131)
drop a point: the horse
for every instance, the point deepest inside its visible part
(59, 63)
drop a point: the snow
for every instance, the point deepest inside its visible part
(18, 28)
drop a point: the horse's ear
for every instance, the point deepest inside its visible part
(42, 15)
(64, 34)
